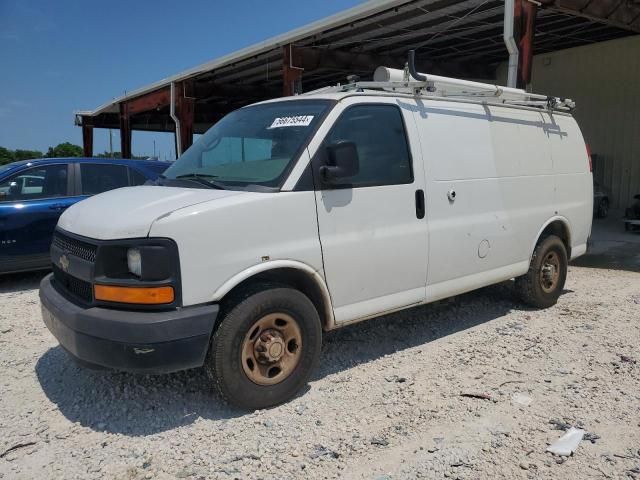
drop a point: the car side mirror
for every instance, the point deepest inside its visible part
(342, 162)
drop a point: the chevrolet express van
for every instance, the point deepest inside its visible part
(299, 215)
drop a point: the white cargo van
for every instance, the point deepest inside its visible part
(308, 213)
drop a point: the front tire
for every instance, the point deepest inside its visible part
(266, 347)
(541, 286)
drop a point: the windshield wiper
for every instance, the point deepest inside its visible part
(203, 179)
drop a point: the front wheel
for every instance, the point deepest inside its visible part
(541, 286)
(266, 347)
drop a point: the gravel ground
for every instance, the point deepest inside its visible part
(386, 403)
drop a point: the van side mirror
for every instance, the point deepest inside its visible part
(342, 161)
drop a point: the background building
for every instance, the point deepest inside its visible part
(588, 50)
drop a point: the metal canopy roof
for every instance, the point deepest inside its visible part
(451, 37)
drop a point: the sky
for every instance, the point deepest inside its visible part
(59, 56)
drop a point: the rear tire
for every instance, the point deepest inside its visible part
(541, 286)
(266, 347)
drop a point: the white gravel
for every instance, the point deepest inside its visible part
(385, 404)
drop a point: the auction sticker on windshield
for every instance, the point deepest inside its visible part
(296, 121)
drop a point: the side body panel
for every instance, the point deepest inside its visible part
(374, 246)
(498, 161)
(573, 180)
(219, 239)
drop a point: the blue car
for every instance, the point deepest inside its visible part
(34, 193)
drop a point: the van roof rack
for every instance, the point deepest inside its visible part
(409, 81)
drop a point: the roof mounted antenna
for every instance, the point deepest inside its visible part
(412, 67)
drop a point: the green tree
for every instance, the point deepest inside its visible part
(65, 149)
(6, 156)
(119, 155)
(109, 155)
(27, 154)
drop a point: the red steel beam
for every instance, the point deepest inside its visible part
(291, 71)
(125, 130)
(87, 139)
(149, 101)
(185, 113)
(526, 13)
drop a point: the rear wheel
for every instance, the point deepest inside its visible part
(266, 347)
(541, 286)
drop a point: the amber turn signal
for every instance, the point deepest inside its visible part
(140, 295)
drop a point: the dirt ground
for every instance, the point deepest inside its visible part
(388, 401)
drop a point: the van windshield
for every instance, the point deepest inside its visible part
(254, 145)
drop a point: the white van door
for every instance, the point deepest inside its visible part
(372, 226)
(488, 190)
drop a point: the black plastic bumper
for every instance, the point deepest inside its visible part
(133, 341)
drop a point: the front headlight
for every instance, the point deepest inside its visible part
(120, 278)
(134, 261)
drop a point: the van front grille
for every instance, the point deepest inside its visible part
(75, 247)
(75, 286)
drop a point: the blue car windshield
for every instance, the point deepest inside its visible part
(255, 145)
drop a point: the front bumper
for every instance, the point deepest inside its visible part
(132, 341)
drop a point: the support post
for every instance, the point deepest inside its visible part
(87, 138)
(185, 112)
(525, 36)
(509, 35)
(291, 74)
(125, 130)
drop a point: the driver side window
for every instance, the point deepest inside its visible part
(379, 136)
(47, 181)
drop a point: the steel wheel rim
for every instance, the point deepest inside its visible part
(271, 349)
(550, 272)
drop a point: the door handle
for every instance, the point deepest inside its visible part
(420, 210)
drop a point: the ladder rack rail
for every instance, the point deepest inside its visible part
(428, 90)
(409, 81)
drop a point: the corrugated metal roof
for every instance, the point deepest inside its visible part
(451, 36)
(366, 9)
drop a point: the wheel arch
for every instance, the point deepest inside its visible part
(292, 273)
(558, 226)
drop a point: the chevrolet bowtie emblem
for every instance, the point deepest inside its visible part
(64, 262)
